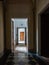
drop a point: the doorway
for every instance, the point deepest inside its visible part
(45, 33)
(20, 35)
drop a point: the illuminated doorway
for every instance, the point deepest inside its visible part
(21, 38)
(20, 34)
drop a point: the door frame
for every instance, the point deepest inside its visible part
(25, 34)
(13, 19)
(12, 44)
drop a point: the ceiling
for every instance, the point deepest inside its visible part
(1, 0)
(32, 0)
(20, 1)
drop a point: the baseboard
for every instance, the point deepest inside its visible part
(31, 50)
(45, 58)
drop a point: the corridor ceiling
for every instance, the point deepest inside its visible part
(1, 0)
(17, 0)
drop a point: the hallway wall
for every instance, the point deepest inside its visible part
(1, 30)
(19, 9)
(40, 6)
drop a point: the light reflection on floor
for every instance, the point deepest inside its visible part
(21, 49)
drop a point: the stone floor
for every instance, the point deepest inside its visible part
(21, 59)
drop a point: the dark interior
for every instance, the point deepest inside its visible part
(45, 33)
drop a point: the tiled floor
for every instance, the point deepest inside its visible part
(20, 59)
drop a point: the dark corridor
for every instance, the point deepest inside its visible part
(45, 33)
